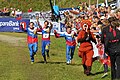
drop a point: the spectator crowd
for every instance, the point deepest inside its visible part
(13, 12)
(104, 23)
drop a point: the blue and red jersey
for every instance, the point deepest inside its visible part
(70, 39)
(45, 33)
(31, 38)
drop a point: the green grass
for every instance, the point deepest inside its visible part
(41, 5)
(15, 63)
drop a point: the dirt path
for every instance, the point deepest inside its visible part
(12, 40)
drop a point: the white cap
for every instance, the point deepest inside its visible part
(102, 17)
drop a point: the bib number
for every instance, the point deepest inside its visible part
(45, 35)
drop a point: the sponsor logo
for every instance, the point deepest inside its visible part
(10, 23)
(16, 28)
(23, 25)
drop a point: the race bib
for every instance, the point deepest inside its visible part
(45, 35)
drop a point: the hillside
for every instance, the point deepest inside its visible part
(40, 5)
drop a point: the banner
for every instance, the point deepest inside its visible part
(13, 25)
(62, 27)
(46, 15)
(62, 10)
(32, 15)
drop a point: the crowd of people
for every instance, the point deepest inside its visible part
(13, 12)
(96, 25)
(4, 12)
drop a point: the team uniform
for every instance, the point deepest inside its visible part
(70, 44)
(45, 38)
(45, 41)
(32, 41)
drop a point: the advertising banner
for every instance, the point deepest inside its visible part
(13, 25)
(62, 27)
(46, 15)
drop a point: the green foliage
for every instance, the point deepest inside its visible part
(40, 5)
(15, 62)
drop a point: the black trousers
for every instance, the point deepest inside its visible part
(115, 66)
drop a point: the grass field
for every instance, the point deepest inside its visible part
(41, 5)
(15, 62)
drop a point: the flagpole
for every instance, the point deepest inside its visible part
(106, 3)
(54, 2)
(89, 1)
(97, 3)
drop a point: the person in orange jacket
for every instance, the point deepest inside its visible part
(86, 49)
